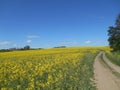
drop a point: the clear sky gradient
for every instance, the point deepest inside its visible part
(49, 23)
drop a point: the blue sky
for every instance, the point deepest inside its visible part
(49, 23)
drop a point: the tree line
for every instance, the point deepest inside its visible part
(114, 35)
(27, 47)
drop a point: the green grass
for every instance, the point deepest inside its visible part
(107, 66)
(87, 73)
(114, 57)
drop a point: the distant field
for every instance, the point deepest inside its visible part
(48, 69)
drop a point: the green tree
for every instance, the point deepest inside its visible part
(114, 35)
(27, 47)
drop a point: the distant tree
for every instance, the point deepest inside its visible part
(40, 48)
(27, 47)
(114, 35)
(118, 22)
(12, 49)
(4, 50)
(60, 47)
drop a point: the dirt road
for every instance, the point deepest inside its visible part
(104, 76)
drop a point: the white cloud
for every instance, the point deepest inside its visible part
(14, 45)
(88, 42)
(32, 36)
(4, 43)
(29, 41)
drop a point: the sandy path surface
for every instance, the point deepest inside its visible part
(104, 78)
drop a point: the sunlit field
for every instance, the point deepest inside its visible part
(48, 69)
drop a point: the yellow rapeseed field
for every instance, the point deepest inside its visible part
(47, 69)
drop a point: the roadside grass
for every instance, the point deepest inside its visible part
(114, 57)
(107, 66)
(86, 73)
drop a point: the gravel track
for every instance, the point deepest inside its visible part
(104, 77)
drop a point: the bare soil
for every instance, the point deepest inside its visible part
(104, 77)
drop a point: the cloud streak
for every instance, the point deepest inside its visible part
(29, 41)
(88, 42)
(3, 43)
